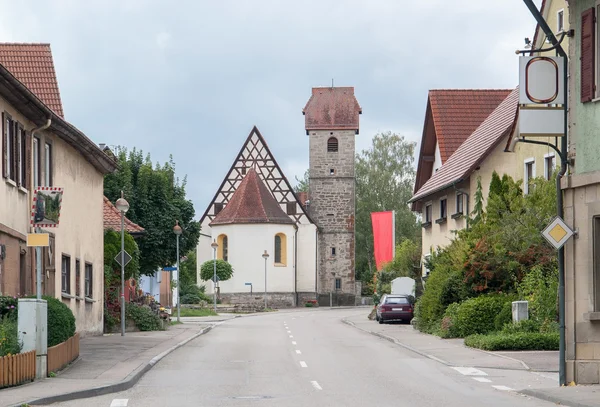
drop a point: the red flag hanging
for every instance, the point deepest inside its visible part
(383, 237)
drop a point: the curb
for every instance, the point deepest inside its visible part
(130, 381)
(557, 400)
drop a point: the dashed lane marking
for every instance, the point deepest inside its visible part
(119, 403)
(469, 371)
(298, 352)
(291, 336)
(289, 332)
(503, 388)
(303, 363)
(316, 385)
(481, 379)
(294, 343)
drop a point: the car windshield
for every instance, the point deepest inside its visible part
(396, 300)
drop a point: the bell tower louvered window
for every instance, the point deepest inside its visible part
(332, 145)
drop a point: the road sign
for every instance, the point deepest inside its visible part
(557, 233)
(127, 258)
(38, 239)
(213, 280)
(169, 268)
(247, 283)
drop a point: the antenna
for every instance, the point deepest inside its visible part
(332, 82)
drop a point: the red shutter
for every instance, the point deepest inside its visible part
(588, 55)
(4, 152)
(28, 161)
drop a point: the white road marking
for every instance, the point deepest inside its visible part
(481, 379)
(469, 371)
(294, 343)
(298, 352)
(503, 388)
(303, 363)
(316, 385)
(289, 332)
(291, 336)
(119, 403)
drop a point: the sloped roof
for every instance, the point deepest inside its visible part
(112, 220)
(474, 150)
(332, 109)
(252, 202)
(32, 64)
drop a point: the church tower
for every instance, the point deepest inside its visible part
(331, 122)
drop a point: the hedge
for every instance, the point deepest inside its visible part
(516, 341)
(478, 315)
(61, 321)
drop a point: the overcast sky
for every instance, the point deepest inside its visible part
(191, 77)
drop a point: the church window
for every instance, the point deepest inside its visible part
(338, 283)
(280, 249)
(333, 251)
(332, 171)
(223, 250)
(332, 145)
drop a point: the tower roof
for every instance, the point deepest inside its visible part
(251, 203)
(332, 108)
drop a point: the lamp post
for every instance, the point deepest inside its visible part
(214, 245)
(265, 256)
(122, 206)
(177, 230)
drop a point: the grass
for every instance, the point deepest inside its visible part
(195, 312)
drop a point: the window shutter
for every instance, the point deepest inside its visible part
(28, 161)
(587, 55)
(14, 144)
(4, 152)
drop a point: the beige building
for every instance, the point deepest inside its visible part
(59, 155)
(445, 188)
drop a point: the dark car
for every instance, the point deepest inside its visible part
(394, 308)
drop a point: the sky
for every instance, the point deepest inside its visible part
(190, 78)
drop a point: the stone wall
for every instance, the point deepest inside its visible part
(274, 300)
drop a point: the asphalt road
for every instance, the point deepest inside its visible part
(306, 358)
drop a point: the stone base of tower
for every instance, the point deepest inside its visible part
(337, 299)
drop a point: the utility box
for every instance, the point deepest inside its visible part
(33, 331)
(520, 310)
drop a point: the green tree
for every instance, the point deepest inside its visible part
(385, 179)
(112, 247)
(224, 270)
(407, 263)
(478, 210)
(157, 199)
(302, 184)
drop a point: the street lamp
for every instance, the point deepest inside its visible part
(177, 230)
(265, 256)
(214, 245)
(122, 206)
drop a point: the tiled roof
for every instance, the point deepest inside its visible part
(467, 157)
(112, 219)
(458, 112)
(332, 109)
(33, 66)
(252, 203)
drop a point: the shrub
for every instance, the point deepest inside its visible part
(61, 321)
(527, 326)
(477, 315)
(224, 270)
(515, 341)
(448, 327)
(540, 288)
(8, 306)
(192, 294)
(143, 317)
(504, 316)
(9, 337)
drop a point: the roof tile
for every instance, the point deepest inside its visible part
(33, 66)
(112, 219)
(332, 109)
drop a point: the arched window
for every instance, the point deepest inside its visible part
(332, 145)
(223, 250)
(280, 249)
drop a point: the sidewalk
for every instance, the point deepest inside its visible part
(452, 352)
(108, 364)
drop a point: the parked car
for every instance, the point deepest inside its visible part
(394, 307)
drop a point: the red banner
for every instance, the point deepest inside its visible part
(383, 237)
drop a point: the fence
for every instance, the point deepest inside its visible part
(17, 369)
(62, 354)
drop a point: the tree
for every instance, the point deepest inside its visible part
(302, 184)
(224, 270)
(384, 181)
(157, 199)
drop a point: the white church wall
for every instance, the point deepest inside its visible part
(307, 258)
(203, 252)
(246, 244)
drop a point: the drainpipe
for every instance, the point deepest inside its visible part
(559, 196)
(296, 265)
(38, 249)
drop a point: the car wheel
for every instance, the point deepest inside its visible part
(377, 318)
(381, 321)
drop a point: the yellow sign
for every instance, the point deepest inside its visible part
(557, 233)
(38, 240)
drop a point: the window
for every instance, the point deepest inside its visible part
(291, 208)
(9, 148)
(36, 162)
(89, 280)
(332, 145)
(218, 208)
(529, 174)
(243, 170)
(459, 202)
(549, 165)
(596, 261)
(333, 251)
(280, 249)
(48, 165)
(443, 208)
(587, 61)
(332, 171)
(77, 277)
(428, 213)
(223, 250)
(338, 283)
(66, 274)
(396, 300)
(560, 21)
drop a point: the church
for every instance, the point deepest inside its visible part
(309, 238)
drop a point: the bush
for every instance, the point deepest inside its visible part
(143, 317)
(448, 327)
(192, 294)
(477, 315)
(540, 288)
(9, 337)
(526, 326)
(224, 270)
(515, 341)
(61, 321)
(8, 306)
(504, 316)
